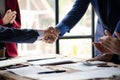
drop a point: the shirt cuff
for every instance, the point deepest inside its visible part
(41, 34)
(62, 28)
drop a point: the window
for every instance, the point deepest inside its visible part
(77, 43)
(39, 14)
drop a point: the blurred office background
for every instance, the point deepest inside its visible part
(39, 14)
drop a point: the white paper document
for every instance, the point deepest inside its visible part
(80, 66)
(12, 61)
(29, 71)
(18, 60)
(51, 61)
(100, 73)
(82, 73)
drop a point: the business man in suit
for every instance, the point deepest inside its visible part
(27, 35)
(108, 12)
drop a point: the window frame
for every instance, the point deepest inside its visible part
(75, 37)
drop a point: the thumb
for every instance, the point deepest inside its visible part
(118, 35)
(8, 11)
(107, 33)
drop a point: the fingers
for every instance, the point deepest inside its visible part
(8, 11)
(110, 43)
(100, 47)
(49, 38)
(102, 57)
(50, 35)
(9, 17)
(14, 17)
(106, 40)
(107, 43)
(107, 33)
(118, 35)
(54, 31)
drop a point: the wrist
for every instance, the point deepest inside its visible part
(3, 22)
(41, 34)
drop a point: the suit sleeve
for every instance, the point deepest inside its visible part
(18, 36)
(73, 16)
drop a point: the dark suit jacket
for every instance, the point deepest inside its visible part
(108, 12)
(18, 36)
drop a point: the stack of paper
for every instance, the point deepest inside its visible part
(13, 61)
(32, 72)
(52, 61)
(80, 66)
(29, 71)
(92, 74)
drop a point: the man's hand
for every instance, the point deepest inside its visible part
(101, 48)
(109, 44)
(9, 17)
(50, 35)
(102, 57)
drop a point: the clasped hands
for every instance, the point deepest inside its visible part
(9, 17)
(50, 35)
(109, 44)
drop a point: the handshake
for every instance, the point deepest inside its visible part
(50, 35)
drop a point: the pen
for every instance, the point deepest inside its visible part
(41, 59)
(15, 66)
(47, 72)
